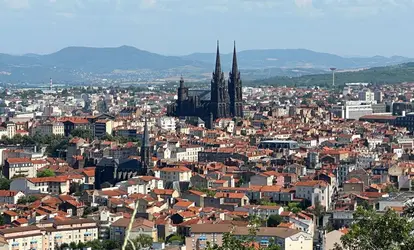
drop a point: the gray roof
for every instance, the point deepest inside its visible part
(204, 94)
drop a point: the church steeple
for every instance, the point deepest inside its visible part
(145, 149)
(218, 63)
(235, 88)
(234, 69)
(145, 140)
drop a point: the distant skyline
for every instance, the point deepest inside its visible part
(179, 27)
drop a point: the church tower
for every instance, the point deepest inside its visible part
(220, 103)
(182, 97)
(145, 149)
(235, 88)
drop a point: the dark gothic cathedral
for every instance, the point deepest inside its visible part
(223, 100)
(109, 171)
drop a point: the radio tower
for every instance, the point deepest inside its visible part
(333, 76)
(51, 84)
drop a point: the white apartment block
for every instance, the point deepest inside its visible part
(187, 153)
(141, 185)
(166, 123)
(314, 191)
(50, 235)
(169, 174)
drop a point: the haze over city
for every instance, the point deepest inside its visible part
(178, 27)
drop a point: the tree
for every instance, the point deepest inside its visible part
(294, 207)
(142, 241)
(175, 238)
(73, 245)
(274, 220)
(318, 211)
(82, 133)
(305, 102)
(373, 231)
(5, 184)
(26, 199)
(46, 173)
(391, 189)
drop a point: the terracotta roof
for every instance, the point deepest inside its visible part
(18, 160)
(8, 193)
(48, 179)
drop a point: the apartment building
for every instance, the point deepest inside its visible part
(50, 128)
(51, 185)
(103, 127)
(286, 238)
(50, 235)
(187, 153)
(30, 237)
(75, 123)
(18, 167)
(169, 174)
(314, 191)
(166, 123)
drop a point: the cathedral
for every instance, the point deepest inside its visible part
(109, 171)
(223, 100)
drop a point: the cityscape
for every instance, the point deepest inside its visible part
(252, 144)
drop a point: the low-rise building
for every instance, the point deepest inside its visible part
(286, 238)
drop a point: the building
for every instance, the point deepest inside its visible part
(186, 153)
(10, 196)
(166, 123)
(222, 101)
(378, 96)
(139, 226)
(352, 110)
(50, 128)
(366, 95)
(170, 174)
(48, 185)
(286, 238)
(405, 121)
(29, 237)
(103, 127)
(50, 234)
(111, 170)
(401, 108)
(314, 191)
(14, 167)
(75, 123)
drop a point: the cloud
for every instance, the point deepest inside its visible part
(17, 4)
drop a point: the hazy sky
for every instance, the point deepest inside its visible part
(344, 27)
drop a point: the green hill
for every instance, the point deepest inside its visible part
(378, 75)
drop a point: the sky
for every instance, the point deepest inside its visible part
(178, 27)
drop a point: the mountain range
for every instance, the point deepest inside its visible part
(125, 63)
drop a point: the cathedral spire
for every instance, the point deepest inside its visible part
(234, 69)
(145, 139)
(218, 63)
